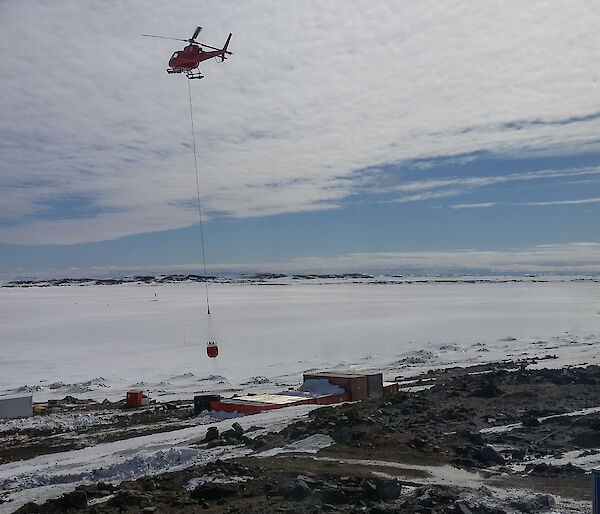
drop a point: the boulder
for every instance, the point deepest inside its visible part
(472, 437)
(212, 492)
(342, 434)
(488, 456)
(537, 504)
(211, 434)
(332, 496)
(486, 390)
(129, 498)
(298, 491)
(531, 421)
(29, 508)
(461, 508)
(388, 491)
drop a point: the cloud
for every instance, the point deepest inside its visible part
(437, 188)
(481, 205)
(313, 93)
(562, 258)
(525, 204)
(563, 202)
(573, 258)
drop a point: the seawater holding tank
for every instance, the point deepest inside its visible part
(212, 350)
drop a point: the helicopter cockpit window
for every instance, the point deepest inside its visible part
(175, 55)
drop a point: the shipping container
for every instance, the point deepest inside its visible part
(355, 385)
(18, 406)
(135, 398)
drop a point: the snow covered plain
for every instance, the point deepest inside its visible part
(99, 341)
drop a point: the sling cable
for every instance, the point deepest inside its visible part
(212, 350)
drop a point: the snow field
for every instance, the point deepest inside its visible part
(99, 341)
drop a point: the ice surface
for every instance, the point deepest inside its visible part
(99, 341)
(507, 428)
(585, 459)
(310, 444)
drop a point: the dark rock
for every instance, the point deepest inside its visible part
(488, 455)
(298, 430)
(487, 390)
(548, 470)
(212, 492)
(388, 490)
(76, 500)
(231, 436)
(105, 487)
(472, 437)
(237, 427)
(426, 498)
(257, 444)
(586, 440)
(457, 413)
(129, 497)
(332, 496)
(461, 508)
(594, 423)
(149, 485)
(341, 434)
(430, 499)
(354, 415)
(322, 413)
(418, 443)
(298, 491)
(540, 503)
(211, 434)
(518, 454)
(475, 456)
(358, 435)
(399, 398)
(531, 421)
(370, 488)
(29, 508)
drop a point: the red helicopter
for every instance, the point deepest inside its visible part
(188, 59)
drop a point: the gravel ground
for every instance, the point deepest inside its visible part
(476, 440)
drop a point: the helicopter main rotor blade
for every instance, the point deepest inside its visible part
(213, 48)
(196, 32)
(165, 37)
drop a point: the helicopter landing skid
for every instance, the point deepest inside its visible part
(188, 73)
(191, 75)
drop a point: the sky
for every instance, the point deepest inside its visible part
(341, 136)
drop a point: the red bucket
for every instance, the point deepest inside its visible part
(212, 350)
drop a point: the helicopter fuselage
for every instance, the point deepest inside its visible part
(190, 57)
